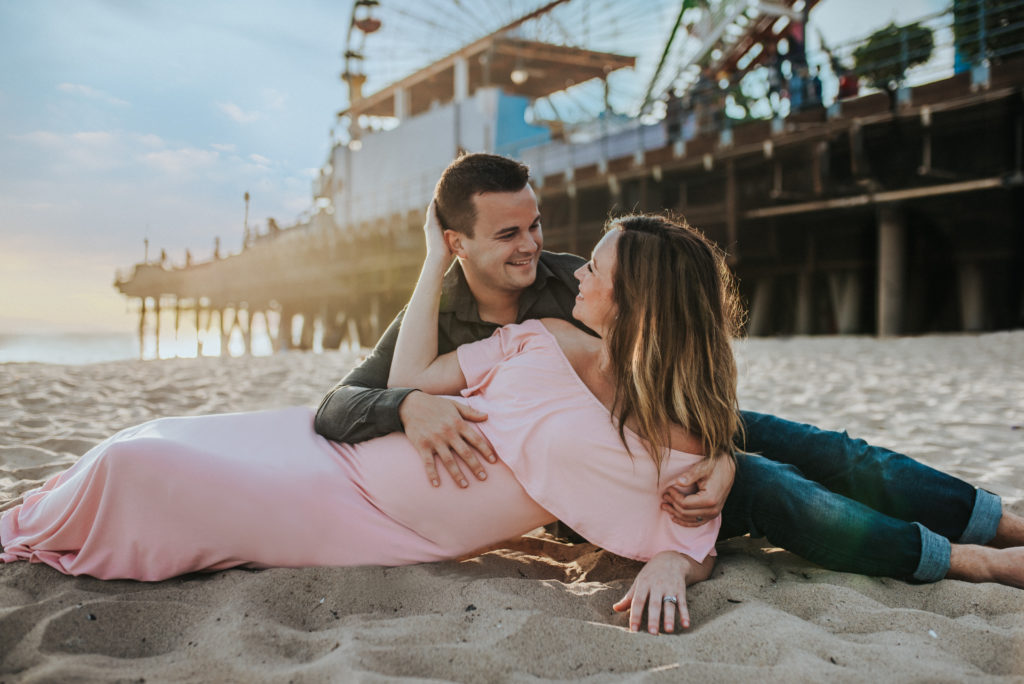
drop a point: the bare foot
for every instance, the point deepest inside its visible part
(1010, 531)
(983, 564)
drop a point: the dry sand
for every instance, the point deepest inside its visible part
(537, 609)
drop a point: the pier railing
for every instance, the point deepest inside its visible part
(949, 132)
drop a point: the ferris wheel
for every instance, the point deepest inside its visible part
(390, 39)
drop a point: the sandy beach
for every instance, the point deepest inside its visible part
(536, 609)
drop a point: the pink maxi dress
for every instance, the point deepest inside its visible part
(179, 495)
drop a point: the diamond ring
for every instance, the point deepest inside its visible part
(670, 599)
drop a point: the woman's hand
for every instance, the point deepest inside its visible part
(664, 577)
(699, 495)
(437, 248)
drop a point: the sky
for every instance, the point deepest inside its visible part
(122, 120)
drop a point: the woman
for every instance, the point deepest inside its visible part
(589, 431)
(178, 495)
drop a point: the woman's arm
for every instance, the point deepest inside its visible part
(666, 574)
(415, 362)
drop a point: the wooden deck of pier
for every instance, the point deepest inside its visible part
(866, 221)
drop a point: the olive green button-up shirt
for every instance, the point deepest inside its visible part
(361, 407)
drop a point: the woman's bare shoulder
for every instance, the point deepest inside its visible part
(570, 338)
(561, 329)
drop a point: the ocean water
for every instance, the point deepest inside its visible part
(78, 348)
(67, 348)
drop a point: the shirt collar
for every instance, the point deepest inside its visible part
(457, 298)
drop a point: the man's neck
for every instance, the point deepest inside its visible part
(494, 306)
(498, 307)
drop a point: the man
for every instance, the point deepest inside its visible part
(787, 493)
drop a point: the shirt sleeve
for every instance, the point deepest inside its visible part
(479, 359)
(360, 406)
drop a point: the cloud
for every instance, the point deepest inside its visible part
(259, 159)
(91, 93)
(223, 147)
(94, 138)
(237, 113)
(274, 99)
(182, 160)
(83, 150)
(41, 138)
(106, 150)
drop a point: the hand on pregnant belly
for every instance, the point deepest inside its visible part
(457, 519)
(440, 428)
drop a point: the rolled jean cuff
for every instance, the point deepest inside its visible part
(981, 528)
(935, 550)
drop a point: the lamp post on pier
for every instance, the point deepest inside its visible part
(245, 234)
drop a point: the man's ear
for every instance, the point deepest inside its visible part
(454, 240)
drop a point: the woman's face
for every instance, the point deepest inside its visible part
(595, 307)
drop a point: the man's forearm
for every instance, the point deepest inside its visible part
(355, 414)
(360, 407)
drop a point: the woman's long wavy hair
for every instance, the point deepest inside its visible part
(671, 343)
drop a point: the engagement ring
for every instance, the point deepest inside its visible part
(670, 599)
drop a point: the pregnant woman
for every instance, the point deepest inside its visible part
(587, 431)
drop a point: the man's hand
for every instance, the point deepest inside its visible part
(437, 426)
(712, 479)
(663, 576)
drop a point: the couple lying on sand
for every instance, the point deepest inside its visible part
(632, 436)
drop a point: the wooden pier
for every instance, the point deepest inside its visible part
(856, 220)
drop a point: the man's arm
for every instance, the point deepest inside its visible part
(360, 406)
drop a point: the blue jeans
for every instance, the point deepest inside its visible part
(849, 506)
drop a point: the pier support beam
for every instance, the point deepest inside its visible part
(972, 296)
(247, 331)
(177, 323)
(891, 270)
(731, 212)
(805, 304)
(283, 341)
(142, 326)
(220, 326)
(375, 328)
(306, 336)
(199, 328)
(156, 311)
(334, 323)
(761, 307)
(227, 325)
(844, 291)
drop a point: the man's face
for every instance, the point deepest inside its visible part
(502, 255)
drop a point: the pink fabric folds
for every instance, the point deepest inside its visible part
(565, 450)
(180, 495)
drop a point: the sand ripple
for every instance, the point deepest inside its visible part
(536, 609)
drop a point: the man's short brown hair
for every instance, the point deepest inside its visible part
(472, 174)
